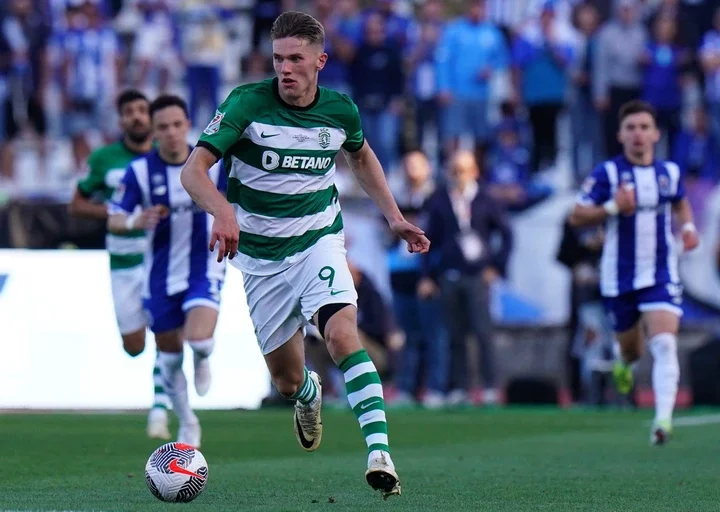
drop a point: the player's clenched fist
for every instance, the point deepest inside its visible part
(150, 217)
(226, 231)
(625, 199)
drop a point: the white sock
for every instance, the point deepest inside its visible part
(175, 385)
(202, 348)
(665, 374)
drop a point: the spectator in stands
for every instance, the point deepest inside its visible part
(471, 241)
(587, 131)
(264, 14)
(541, 61)
(422, 74)
(664, 62)
(710, 60)
(204, 42)
(341, 32)
(617, 75)
(425, 350)
(396, 25)
(377, 78)
(24, 37)
(508, 171)
(90, 70)
(696, 149)
(157, 48)
(470, 51)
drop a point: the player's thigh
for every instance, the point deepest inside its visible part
(200, 322)
(624, 318)
(165, 319)
(126, 287)
(274, 309)
(323, 278)
(661, 308)
(201, 306)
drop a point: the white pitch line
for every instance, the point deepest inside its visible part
(693, 421)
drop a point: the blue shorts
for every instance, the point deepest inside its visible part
(165, 313)
(624, 310)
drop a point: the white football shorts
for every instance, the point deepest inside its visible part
(281, 304)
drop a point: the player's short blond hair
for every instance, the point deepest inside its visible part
(300, 25)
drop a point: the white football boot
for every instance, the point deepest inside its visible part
(190, 433)
(157, 425)
(307, 421)
(381, 474)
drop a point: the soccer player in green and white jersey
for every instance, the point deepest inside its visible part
(281, 226)
(107, 166)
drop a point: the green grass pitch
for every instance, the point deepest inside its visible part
(506, 459)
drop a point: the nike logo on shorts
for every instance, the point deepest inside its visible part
(268, 135)
(337, 292)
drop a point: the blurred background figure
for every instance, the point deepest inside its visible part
(471, 50)
(541, 59)
(89, 73)
(378, 84)
(423, 362)
(461, 220)
(24, 80)
(617, 67)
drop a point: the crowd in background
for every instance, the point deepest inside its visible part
(477, 110)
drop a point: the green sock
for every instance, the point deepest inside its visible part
(307, 392)
(160, 398)
(365, 394)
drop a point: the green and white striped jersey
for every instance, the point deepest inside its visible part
(107, 167)
(280, 161)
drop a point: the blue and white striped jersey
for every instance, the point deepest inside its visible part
(177, 254)
(639, 249)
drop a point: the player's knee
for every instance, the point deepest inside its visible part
(341, 334)
(288, 384)
(134, 343)
(663, 345)
(630, 354)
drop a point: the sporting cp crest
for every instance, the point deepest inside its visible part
(324, 138)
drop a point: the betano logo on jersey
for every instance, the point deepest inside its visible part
(271, 160)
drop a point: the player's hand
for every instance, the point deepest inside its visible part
(226, 232)
(625, 199)
(150, 217)
(690, 239)
(413, 235)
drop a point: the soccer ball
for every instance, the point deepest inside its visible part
(176, 472)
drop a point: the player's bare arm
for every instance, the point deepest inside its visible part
(81, 206)
(204, 192)
(623, 203)
(120, 223)
(369, 173)
(684, 215)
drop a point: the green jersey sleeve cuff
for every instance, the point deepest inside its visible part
(215, 151)
(353, 148)
(83, 190)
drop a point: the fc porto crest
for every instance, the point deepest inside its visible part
(664, 185)
(324, 138)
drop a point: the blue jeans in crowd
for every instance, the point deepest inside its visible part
(381, 132)
(426, 340)
(204, 85)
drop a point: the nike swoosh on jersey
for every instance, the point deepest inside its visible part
(268, 135)
(176, 468)
(301, 434)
